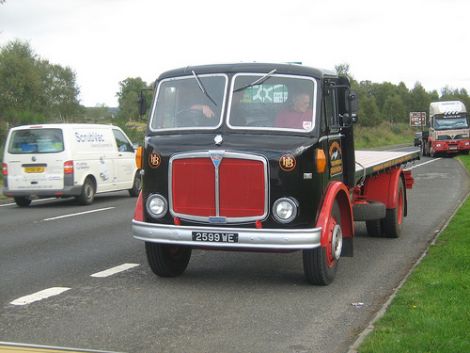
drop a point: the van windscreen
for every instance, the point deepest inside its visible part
(36, 141)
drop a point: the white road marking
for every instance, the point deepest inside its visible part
(77, 214)
(46, 293)
(419, 165)
(114, 270)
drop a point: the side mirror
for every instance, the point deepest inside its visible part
(142, 104)
(353, 103)
(350, 117)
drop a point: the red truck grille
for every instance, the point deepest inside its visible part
(220, 187)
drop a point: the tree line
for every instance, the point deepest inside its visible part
(379, 102)
(33, 90)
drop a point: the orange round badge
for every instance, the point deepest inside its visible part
(154, 160)
(287, 162)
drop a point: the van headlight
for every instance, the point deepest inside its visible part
(157, 206)
(285, 209)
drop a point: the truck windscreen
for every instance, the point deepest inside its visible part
(279, 102)
(450, 123)
(189, 102)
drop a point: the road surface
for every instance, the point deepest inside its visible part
(225, 301)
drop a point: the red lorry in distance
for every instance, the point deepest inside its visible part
(448, 129)
(261, 157)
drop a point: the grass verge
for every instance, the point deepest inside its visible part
(430, 313)
(382, 135)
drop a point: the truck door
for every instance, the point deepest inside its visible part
(333, 149)
(124, 164)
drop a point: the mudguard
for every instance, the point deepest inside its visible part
(336, 190)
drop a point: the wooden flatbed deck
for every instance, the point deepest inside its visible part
(371, 162)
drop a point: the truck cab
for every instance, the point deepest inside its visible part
(448, 131)
(256, 157)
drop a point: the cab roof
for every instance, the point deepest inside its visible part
(285, 68)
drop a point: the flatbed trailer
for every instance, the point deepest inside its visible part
(261, 157)
(373, 162)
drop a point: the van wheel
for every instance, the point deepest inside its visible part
(88, 193)
(167, 260)
(22, 201)
(137, 185)
(320, 264)
(393, 220)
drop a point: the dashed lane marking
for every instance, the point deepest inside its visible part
(46, 293)
(420, 165)
(77, 214)
(114, 270)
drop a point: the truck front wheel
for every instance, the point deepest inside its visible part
(320, 264)
(136, 185)
(393, 220)
(167, 260)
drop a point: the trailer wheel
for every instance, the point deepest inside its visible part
(22, 201)
(87, 195)
(374, 228)
(320, 264)
(393, 220)
(136, 185)
(167, 260)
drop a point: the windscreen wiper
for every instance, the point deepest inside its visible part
(201, 86)
(257, 82)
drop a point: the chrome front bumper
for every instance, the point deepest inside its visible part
(261, 239)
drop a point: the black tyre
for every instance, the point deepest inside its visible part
(393, 220)
(167, 260)
(22, 201)
(88, 192)
(426, 148)
(320, 264)
(137, 185)
(374, 228)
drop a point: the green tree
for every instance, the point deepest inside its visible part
(394, 109)
(60, 91)
(368, 111)
(33, 90)
(344, 70)
(20, 82)
(128, 97)
(419, 98)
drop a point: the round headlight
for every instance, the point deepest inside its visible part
(285, 210)
(157, 206)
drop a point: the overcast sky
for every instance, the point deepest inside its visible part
(106, 41)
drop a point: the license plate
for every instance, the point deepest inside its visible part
(34, 169)
(215, 237)
(452, 147)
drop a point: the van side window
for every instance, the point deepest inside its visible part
(122, 142)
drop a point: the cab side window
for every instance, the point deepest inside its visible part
(122, 142)
(329, 111)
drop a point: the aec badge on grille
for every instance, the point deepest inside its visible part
(216, 158)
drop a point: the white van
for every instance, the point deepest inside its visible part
(60, 160)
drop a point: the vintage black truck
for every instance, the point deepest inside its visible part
(260, 157)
